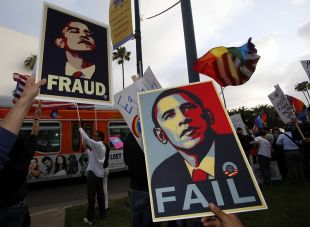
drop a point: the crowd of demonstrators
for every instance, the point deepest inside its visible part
(292, 154)
(16, 152)
(96, 150)
(263, 153)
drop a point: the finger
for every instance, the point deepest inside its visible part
(217, 211)
(41, 83)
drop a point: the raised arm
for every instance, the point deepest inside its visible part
(14, 119)
(36, 120)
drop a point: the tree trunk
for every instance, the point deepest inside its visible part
(123, 75)
(306, 98)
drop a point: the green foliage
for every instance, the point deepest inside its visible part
(30, 61)
(121, 54)
(249, 115)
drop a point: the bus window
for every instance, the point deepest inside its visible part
(88, 128)
(117, 132)
(75, 137)
(48, 139)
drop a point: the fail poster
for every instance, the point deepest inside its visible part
(193, 156)
(74, 58)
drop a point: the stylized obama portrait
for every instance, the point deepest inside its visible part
(206, 167)
(75, 58)
(77, 41)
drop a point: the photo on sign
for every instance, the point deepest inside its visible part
(193, 156)
(74, 58)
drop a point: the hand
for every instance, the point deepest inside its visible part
(31, 89)
(37, 113)
(220, 219)
(306, 140)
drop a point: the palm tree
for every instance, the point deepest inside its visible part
(121, 54)
(303, 87)
(30, 61)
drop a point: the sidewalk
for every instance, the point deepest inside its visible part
(54, 215)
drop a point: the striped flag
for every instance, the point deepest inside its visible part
(48, 105)
(229, 66)
(297, 104)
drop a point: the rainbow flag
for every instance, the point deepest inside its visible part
(260, 120)
(229, 66)
(297, 104)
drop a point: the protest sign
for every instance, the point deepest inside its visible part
(306, 65)
(192, 155)
(237, 122)
(282, 105)
(126, 101)
(75, 58)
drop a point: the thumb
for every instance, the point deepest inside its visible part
(217, 211)
(41, 83)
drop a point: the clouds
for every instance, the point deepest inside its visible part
(304, 30)
(279, 29)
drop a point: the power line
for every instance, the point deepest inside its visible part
(163, 11)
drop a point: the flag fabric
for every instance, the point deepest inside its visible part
(299, 108)
(47, 105)
(297, 104)
(260, 120)
(229, 66)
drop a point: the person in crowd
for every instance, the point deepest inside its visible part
(221, 219)
(264, 154)
(292, 154)
(140, 200)
(106, 176)
(13, 190)
(34, 169)
(279, 152)
(96, 150)
(60, 166)
(12, 122)
(245, 141)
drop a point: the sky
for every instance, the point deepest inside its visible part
(280, 29)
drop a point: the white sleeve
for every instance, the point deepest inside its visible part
(88, 141)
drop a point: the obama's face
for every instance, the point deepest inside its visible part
(181, 121)
(76, 37)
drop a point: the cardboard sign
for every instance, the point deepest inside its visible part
(282, 105)
(237, 122)
(127, 103)
(306, 65)
(74, 58)
(193, 156)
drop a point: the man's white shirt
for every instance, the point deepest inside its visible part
(96, 154)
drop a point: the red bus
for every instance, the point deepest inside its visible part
(59, 154)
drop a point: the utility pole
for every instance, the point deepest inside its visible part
(190, 43)
(138, 39)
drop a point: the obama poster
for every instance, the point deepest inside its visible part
(74, 58)
(193, 155)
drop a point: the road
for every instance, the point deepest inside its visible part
(49, 195)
